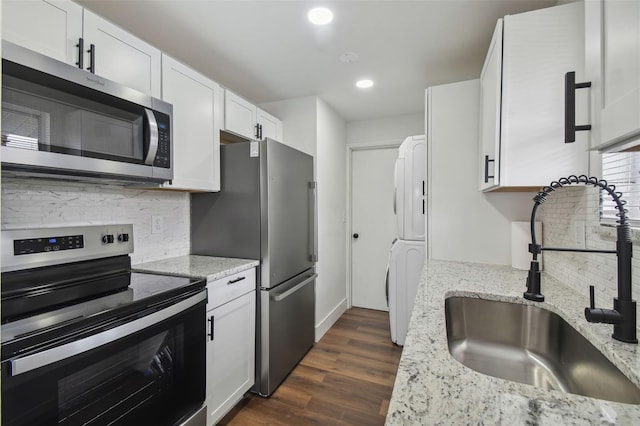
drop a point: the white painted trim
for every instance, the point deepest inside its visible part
(330, 319)
(386, 143)
(392, 143)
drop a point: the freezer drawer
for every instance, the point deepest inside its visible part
(286, 329)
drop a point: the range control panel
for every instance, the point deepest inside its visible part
(31, 248)
(40, 245)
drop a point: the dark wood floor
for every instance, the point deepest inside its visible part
(345, 379)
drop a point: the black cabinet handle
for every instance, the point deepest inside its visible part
(257, 131)
(80, 47)
(486, 169)
(92, 59)
(211, 321)
(570, 87)
(260, 131)
(236, 280)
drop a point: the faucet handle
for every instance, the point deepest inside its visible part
(592, 297)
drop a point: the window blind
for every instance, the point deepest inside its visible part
(621, 169)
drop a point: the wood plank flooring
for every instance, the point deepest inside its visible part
(345, 379)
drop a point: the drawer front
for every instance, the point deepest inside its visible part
(228, 288)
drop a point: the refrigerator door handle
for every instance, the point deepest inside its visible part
(313, 218)
(280, 297)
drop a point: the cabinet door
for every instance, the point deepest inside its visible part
(539, 47)
(490, 104)
(51, 27)
(197, 113)
(239, 116)
(230, 354)
(122, 57)
(271, 126)
(613, 64)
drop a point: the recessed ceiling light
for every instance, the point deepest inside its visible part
(320, 16)
(364, 83)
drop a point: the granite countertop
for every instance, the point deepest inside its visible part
(209, 267)
(433, 388)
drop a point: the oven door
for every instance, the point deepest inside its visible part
(144, 369)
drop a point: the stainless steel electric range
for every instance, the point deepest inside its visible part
(87, 341)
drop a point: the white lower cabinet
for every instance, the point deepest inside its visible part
(230, 342)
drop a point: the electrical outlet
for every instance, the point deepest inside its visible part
(156, 224)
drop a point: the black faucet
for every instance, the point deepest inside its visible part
(623, 314)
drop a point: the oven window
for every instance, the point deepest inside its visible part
(154, 377)
(133, 376)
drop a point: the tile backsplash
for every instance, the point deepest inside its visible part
(29, 203)
(570, 218)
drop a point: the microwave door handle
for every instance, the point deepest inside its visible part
(153, 137)
(46, 357)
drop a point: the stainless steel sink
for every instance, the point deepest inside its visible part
(531, 345)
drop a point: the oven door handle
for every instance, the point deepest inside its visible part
(37, 360)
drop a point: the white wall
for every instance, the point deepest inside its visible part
(463, 223)
(28, 203)
(384, 130)
(331, 290)
(313, 127)
(299, 122)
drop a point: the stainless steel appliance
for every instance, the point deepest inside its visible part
(267, 210)
(59, 120)
(87, 341)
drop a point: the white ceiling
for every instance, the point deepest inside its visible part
(267, 51)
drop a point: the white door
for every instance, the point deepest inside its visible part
(373, 224)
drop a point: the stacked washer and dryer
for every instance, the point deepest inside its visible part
(407, 255)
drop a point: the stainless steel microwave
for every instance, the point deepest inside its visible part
(61, 121)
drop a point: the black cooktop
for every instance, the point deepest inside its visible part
(42, 304)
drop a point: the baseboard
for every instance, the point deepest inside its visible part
(330, 319)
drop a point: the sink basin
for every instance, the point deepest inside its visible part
(531, 345)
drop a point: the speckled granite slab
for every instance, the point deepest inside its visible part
(432, 388)
(211, 268)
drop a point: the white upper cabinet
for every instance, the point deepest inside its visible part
(245, 119)
(490, 109)
(120, 56)
(239, 116)
(522, 112)
(61, 29)
(270, 126)
(51, 27)
(197, 115)
(612, 53)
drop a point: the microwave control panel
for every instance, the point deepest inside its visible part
(163, 156)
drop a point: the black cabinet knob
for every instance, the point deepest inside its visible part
(107, 239)
(356, 235)
(123, 238)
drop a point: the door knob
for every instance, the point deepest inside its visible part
(356, 235)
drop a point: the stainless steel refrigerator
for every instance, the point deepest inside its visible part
(266, 210)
